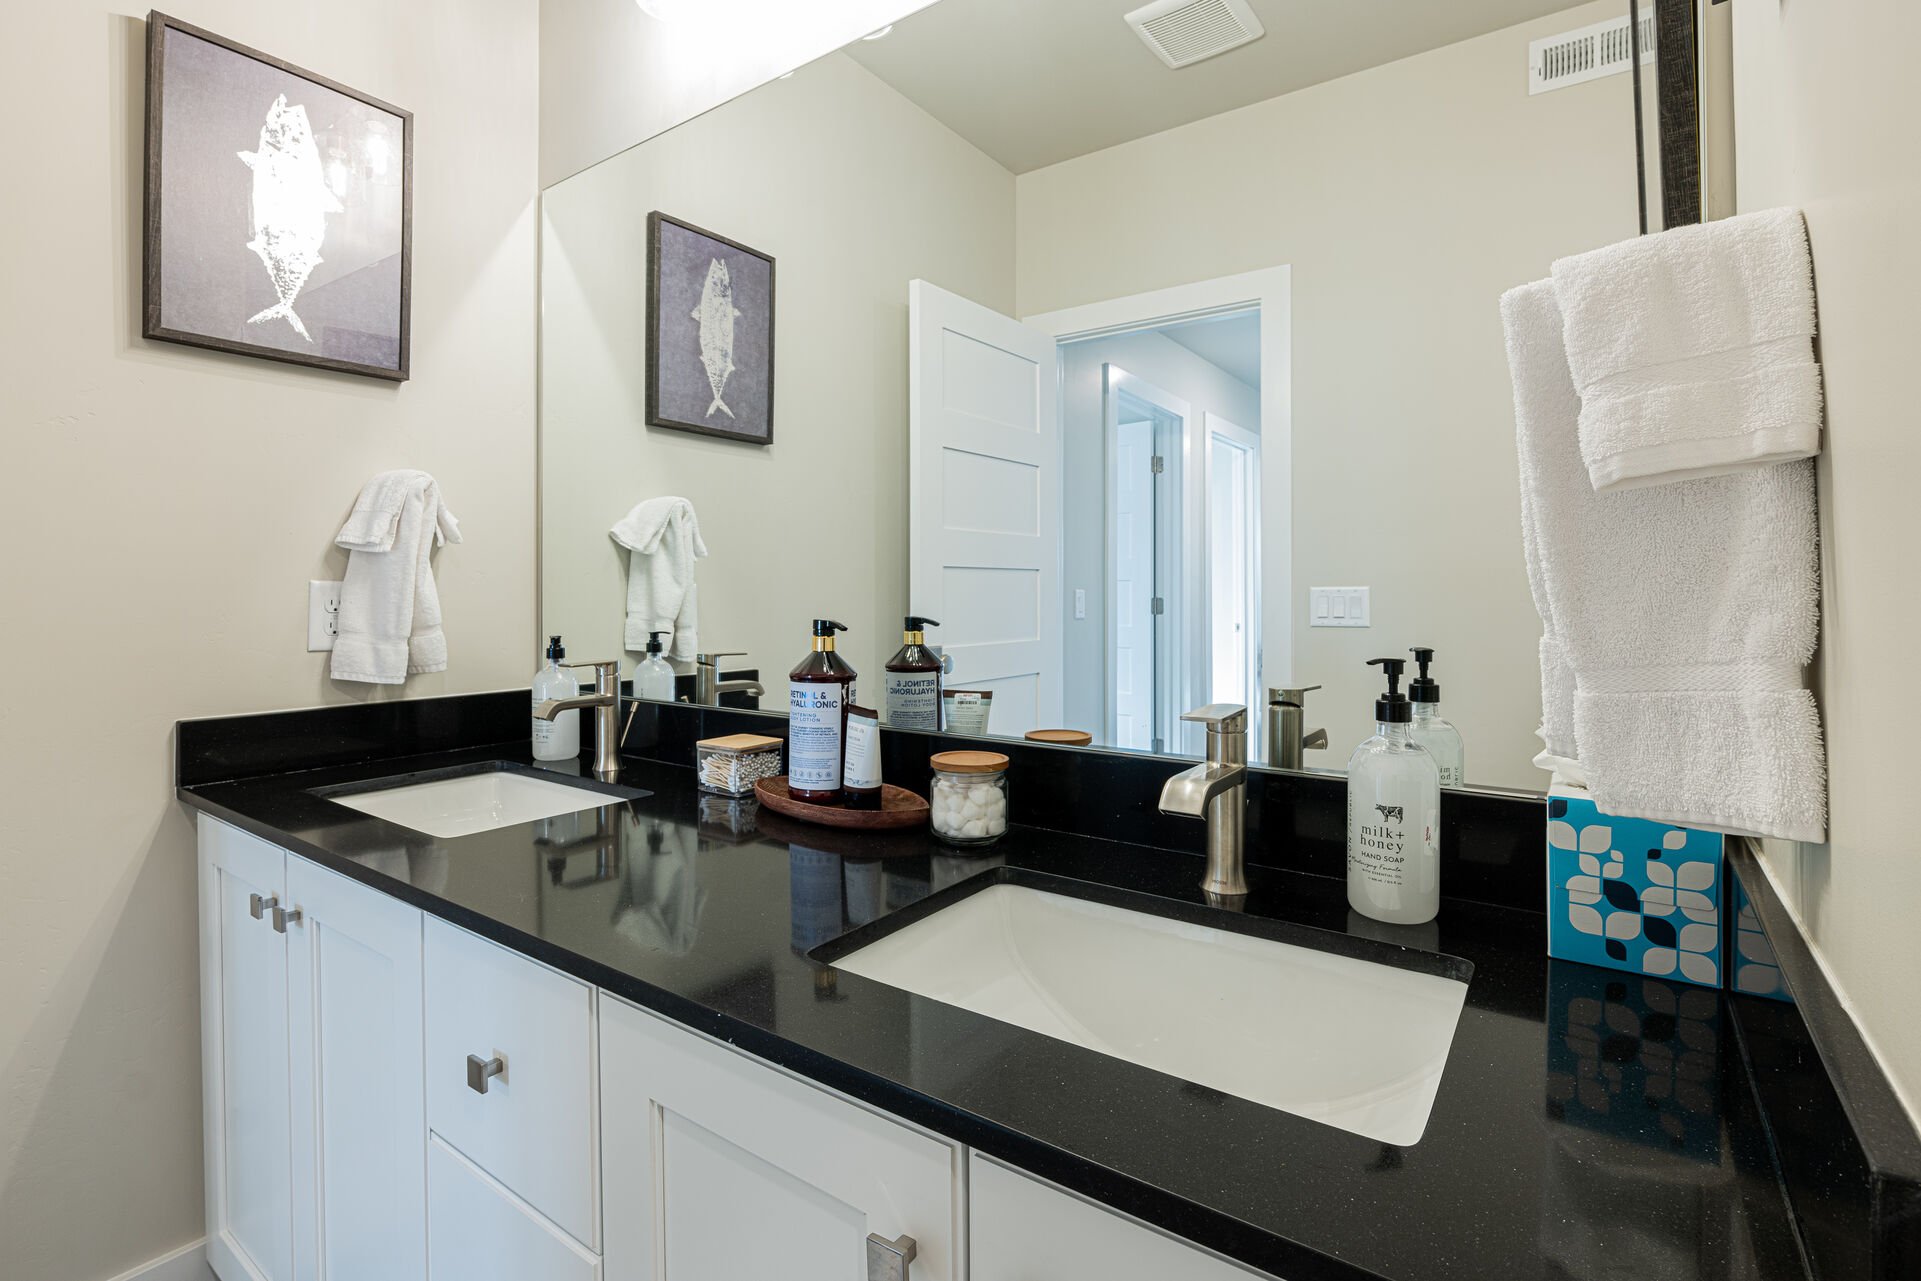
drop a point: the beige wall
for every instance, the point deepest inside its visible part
(1828, 118)
(854, 191)
(1406, 199)
(612, 75)
(163, 510)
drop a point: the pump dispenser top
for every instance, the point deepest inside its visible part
(653, 642)
(824, 629)
(1423, 688)
(1392, 708)
(914, 629)
(556, 650)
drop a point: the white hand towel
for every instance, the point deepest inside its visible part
(1545, 407)
(662, 537)
(389, 623)
(1693, 350)
(1686, 612)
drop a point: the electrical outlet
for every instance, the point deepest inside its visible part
(323, 615)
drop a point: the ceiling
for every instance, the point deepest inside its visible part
(1232, 343)
(1035, 82)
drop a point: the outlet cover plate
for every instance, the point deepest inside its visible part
(323, 615)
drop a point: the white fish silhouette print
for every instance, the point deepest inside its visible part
(716, 316)
(291, 201)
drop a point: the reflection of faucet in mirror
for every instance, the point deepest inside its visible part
(708, 686)
(605, 700)
(1286, 716)
(1216, 791)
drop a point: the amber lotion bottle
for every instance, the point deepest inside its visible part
(819, 691)
(912, 680)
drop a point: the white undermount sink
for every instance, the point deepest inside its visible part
(478, 802)
(1354, 1043)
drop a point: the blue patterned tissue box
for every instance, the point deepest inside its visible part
(1631, 893)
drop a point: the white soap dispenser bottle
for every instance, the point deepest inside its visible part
(1393, 816)
(654, 677)
(1439, 737)
(559, 738)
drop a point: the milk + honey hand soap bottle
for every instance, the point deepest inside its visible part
(1393, 815)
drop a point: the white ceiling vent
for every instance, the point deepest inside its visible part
(1184, 32)
(1575, 57)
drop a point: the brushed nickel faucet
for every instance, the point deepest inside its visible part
(1216, 791)
(1287, 738)
(708, 686)
(605, 700)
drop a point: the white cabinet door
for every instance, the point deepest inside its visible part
(243, 1042)
(719, 1167)
(1020, 1229)
(359, 1124)
(483, 1232)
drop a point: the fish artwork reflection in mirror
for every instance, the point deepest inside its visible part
(716, 314)
(291, 201)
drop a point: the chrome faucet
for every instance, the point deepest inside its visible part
(1217, 792)
(708, 686)
(605, 700)
(1286, 715)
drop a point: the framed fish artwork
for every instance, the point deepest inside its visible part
(279, 212)
(710, 333)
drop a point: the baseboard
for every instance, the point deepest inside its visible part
(188, 1263)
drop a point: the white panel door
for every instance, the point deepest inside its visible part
(1020, 1229)
(984, 501)
(718, 1167)
(359, 1124)
(244, 1063)
(1233, 563)
(1133, 589)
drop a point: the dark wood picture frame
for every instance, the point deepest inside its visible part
(655, 220)
(158, 24)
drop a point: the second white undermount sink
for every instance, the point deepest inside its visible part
(1351, 1042)
(474, 802)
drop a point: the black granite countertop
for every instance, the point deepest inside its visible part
(1588, 1122)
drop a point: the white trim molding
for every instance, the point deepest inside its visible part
(188, 1263)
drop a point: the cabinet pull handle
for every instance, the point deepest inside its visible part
(480, 1071)
(259, 906)
(283, 917)
(888, 1260)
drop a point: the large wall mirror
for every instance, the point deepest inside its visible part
(1157, 386)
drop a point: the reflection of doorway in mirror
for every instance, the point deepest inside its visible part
(1233, 561)
(1146, 429)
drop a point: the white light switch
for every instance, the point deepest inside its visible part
(323, 615)
(1080, 602)
(1338, 607)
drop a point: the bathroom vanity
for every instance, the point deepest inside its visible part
(621, 1043)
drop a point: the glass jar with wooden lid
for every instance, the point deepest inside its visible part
(969, 800)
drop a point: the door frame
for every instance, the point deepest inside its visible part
(1173, 667)
(1212, 425)
(1271, 290)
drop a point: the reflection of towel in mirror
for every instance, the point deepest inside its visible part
(660, 907)
(389, 624)
(662, 538)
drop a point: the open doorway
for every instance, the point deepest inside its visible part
(1162, 454)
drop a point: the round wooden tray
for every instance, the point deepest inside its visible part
(898, 808)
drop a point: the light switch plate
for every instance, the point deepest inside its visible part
(1080, 602)
(323, 615)
(1339, 607)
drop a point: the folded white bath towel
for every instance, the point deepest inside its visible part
(389, 623)
(662, 538)
(1693, 350)
(1545, 408)
(1686, 612)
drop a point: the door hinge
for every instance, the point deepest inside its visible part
(1157, 464)
(1157, 606)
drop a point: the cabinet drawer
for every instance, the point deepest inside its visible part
(478, 1231)
(1021, 1229)
(535, 1126)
